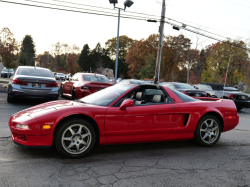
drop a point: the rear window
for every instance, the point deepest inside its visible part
(183, 96)
(35, 72)
(7, 70)
(96, 78)
(183, 86)
(153, 92)
(203, 87)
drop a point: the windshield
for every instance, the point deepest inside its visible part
(95, 78)
(231, 88)
(35, 72)
(60, 74)
(203, 87)
(137, 82)
(107, 96)
(7, 70)
(183, 86)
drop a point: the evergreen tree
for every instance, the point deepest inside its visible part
(22, 59)
(85, 61)
(28, 48)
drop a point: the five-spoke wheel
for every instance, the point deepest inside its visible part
(208, 131)
(75, 138)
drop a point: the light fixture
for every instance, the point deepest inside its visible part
(176, 28)
(128, 3)
(113, 1)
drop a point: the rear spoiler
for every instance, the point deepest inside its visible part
(207, 98)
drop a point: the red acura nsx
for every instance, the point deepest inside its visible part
(123, 114)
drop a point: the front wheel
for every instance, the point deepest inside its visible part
(75, 138)
(208, 131)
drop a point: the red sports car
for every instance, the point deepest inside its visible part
(83, 84)
(123, 114)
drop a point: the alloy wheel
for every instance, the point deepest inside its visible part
(76, 139)
(209, 131)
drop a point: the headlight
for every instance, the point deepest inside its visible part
(22, 126)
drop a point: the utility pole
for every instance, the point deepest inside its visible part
(161, 30)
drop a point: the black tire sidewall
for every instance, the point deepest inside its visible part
(65, 125)
(197, 136)
(73, 94)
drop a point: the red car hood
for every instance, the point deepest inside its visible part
(49, 107)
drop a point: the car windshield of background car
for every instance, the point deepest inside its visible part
(106, 96)
(183, 86)
(204, 87)
(137, 82)
(93, 78)
(183, 96)
(231, 89)
(35, 72)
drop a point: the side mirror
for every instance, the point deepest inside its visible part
(126, 103)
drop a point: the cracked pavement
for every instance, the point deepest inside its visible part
(155, 164)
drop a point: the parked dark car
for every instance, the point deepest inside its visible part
(32, 82)
(185, 88)
(132, 81)
(7, 73)
(241, 100)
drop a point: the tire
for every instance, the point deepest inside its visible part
(74, 94)
(208, 131)
(239, 109)
(70, 142)
(61, 91)
(9, 98)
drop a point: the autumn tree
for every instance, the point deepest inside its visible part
(8, 48)
(72, 65)
(124, 44)
(218, 59)
(148, 71)
(28, 48)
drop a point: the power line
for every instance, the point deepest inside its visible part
(135, 18)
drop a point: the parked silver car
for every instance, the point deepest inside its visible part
(32, 82)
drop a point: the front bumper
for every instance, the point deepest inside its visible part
(32, 141)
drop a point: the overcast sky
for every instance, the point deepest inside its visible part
(229, 18)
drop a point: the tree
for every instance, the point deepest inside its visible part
(8, 48)
(148, 71)
(85, 61)
(28, 48)
(72, 66)
(124, 44)
(22, 59)
(217, 62)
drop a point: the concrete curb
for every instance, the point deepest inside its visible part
(6, 82)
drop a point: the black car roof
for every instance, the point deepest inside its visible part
(217, 86)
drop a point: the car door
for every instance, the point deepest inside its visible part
(71, 83)
(142, 121)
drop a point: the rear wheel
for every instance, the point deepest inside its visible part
(10, 99)
(75, 138)
(61, 91)
(239, 108)
(208, 131)
(74, 94)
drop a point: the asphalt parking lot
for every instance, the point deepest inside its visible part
(155, 164)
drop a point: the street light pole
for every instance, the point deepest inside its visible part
(127, 3)
(188, 65)
(117, 45)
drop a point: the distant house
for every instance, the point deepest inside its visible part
(106, 71)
